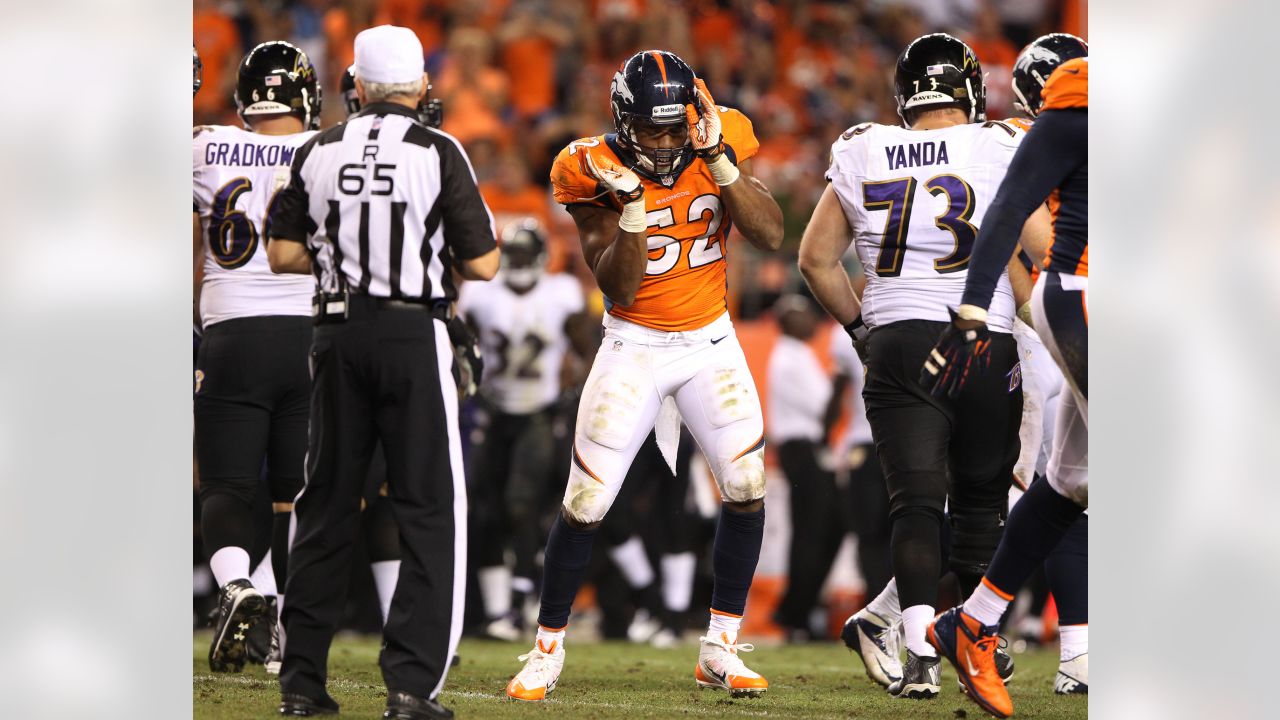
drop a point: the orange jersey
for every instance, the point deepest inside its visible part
(1023, 124)
(685, 282)
(1068, 86)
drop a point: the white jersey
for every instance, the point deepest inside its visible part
(235, 177)
(915, 200)
(522, 337)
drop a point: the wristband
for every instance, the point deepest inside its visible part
(723, 171)
(633, 219)
(971, 312)
(856, 329)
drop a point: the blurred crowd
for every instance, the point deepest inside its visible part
(520, 79)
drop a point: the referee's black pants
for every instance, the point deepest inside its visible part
(817, 529)
(936, 452)
(385, 373)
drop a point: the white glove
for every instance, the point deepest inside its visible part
(624, 185)
(707, 137)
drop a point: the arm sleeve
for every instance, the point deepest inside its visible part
(468, 224)
(1046, 157)
(290, 214)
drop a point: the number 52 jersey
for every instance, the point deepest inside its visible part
(915, 200)
(236, 175)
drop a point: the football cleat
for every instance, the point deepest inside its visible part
(542, 667)
(971, 648)
(1004, 664)
(920, 678)
(264, 638)
(720, 668)
(1073, 676)
(240, 609)
(875, 644)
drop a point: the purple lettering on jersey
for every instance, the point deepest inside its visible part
(286, 155)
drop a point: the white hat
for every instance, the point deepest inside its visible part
(388, 54)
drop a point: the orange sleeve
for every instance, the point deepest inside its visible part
(1021, 123)
(738, 134)
(1068, 86)
(569, 185)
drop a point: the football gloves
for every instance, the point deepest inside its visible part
(468, 365)
(704, 123)
(617, 180)
(957, 352)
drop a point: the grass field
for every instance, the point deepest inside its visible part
(615, 680)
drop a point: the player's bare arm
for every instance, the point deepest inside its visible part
(825, 241)
(1036, 235)
(287, 256)
(749, 202)
(616, 257)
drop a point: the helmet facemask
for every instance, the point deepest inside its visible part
(657, 162)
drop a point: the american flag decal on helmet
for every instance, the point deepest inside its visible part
(935, 70)
(272, 80)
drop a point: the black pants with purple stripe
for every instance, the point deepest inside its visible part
(383, 374)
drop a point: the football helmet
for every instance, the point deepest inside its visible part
(430, 112)
(277, 77)
(939, 71)
(652, 87)
(1036, 62)
(196, 69)
(523, 257)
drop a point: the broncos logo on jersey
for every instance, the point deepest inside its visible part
(684, 285)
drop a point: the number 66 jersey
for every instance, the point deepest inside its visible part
(915, 200)
(684, 283)
(236, 175)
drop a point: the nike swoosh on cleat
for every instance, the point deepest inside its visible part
(708, 670)
(713, 342)
(973, 671)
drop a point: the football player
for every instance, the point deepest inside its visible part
(526, 321)
(252, 381)
(913, 198)
(1053, 164)
(653, 202)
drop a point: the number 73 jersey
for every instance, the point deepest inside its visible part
(915, 200)
(236, 175)
(684, 282)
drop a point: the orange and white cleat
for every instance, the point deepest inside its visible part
(542, 667)
(971, 647)
(719, 667)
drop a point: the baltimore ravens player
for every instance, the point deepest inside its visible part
(526, 321)
(252, 381)
(653, 202)
(913, 198)
(1052, 164)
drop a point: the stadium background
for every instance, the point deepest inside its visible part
(520, 79)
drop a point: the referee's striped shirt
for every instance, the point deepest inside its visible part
(385, 205)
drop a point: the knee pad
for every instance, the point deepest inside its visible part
(912, 491)
(586, 498)
(242, 489)
(974, 538)
(741, 476)
(609, 413)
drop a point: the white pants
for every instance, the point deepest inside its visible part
(1060, 306)
(1042, 384)
(706, 373)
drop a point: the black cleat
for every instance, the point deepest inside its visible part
(240, 609)
(404, 706)
(264, 638)
(298, 705)
(920, 677)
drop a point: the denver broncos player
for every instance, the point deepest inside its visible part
(1053, 163)
(653, 203)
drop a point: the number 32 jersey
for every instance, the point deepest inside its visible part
(684, 283)
(235, 177)
(915, 200)
(522, 337)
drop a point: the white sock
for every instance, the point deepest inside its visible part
(985, 605)
(677, 580)
(549, 640)
(229, 563)
(915, 621)
(264, 576)
(495, 590)
(723, 623)
(1073, 640)
(885, 605)
(633, 561)
(522, 585)
(386, 573)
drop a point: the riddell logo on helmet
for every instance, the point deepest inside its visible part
(667, 111)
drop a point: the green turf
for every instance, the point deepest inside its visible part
(615, 680)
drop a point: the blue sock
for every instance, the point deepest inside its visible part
(564, 563)
(733, 564)
(1035, 525)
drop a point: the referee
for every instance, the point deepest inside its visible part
(383, 210)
